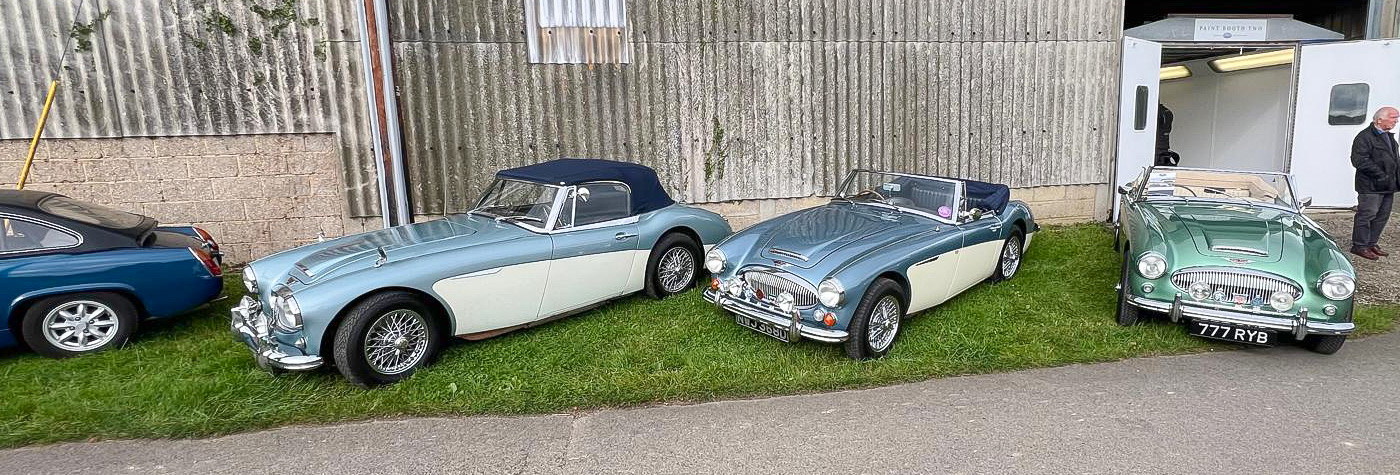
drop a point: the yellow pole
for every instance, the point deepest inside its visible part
(38, 131)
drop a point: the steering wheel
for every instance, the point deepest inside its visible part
(870, 191)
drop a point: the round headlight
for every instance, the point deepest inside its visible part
(250, 279)
(288, 311)
(1281, 301)
(1337, 286)
(1199, 290)
(831, 293)
(1152, 265)
(714, 261)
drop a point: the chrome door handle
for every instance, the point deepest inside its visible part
(996, 228)
(624, 236)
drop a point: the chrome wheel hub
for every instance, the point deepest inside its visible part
(1011, 258)
(676, 269)
(884, 323)
(82, 325)
(396, 342)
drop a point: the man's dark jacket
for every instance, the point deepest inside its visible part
(1374, 155)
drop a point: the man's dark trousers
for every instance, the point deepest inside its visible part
(1372, 212)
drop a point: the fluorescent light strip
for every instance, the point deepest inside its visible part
(1174, 72)
(1251, 61)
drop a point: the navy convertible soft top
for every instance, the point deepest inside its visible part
(647, 193)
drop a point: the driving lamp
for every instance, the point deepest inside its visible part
(250, 279)
(736, 288)
(786, 302)
(1152, 265)
(1281, 301)
(714, 261)
(1199, 290)
(831, 293)
(1337, 286)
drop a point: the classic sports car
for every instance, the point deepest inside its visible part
(1231, 253)
(78, 277)
(545, 241)
(888, 245)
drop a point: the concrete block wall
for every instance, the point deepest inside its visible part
(257, 194)
(1049, 204)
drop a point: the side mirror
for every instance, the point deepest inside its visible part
(582, 194)
(1305, 202)
(1123, 189)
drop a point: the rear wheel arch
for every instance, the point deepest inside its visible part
(440, 315)
(686, 230)
(16, 317)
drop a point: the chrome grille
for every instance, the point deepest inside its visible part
(773, 284)
(1254, 285)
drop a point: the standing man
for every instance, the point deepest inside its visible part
(1376, 158)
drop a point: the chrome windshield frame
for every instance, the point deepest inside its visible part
(959, 194)
(1287, 178)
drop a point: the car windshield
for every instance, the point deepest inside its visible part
(1244, 187)
(927, 195)
(89, 213)
(518, 200)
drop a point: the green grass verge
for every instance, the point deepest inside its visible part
(186, 377)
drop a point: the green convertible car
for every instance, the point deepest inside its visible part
(1231, 254)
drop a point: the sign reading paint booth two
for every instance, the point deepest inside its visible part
(1231, 29)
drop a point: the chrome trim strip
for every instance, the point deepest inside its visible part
(794, 327)
(1240, 250)
(784, 252)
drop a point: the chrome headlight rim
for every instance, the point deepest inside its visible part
(286, 310)
(1149, 262)
(1346, 281)
(831, 293)
(250, 279)
(1282, 301)
(715, 261)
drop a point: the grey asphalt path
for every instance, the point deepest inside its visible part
(1280, 410)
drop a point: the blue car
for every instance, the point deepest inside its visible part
(544, 242)
(78, 277)
(888, 245)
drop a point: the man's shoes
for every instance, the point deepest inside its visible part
(1366, 253)
(1377, 250)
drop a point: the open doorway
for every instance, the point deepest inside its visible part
(1226, 106)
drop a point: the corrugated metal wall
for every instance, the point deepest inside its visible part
(175, 67)
(740, 99)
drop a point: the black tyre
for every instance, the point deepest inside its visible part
(65, 326)
(1010, 261)
(876, 325)
(386, 338)
(1127, 313)
(674, 265)
(1324, 344)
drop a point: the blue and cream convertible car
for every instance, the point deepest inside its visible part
(888, 245)
(77, 278)
(545, 241)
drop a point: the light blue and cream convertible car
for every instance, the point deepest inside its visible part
(545, 241)
(888, 245)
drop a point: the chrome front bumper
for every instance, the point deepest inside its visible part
(1298, 325)
(796, 329)
(252, 328)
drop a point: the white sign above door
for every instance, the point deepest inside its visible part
(1231, 29)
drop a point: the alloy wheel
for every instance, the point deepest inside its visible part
(82, 325)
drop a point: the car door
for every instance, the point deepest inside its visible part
(981, 246)
(932, 277)
(594, 242)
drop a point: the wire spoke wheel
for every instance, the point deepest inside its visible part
(81, 325)
(884, 324)
(1011, 258)
(396, 342)
(676, 269)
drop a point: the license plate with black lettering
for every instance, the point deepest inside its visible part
(1233, 333)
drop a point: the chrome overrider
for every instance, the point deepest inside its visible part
(750, 306)
(1298, 324)
(252, 327)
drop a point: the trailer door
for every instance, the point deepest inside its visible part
(1340, 86)
(1137, 109)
